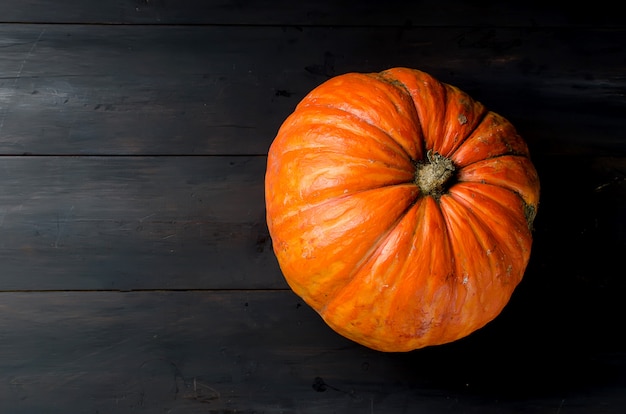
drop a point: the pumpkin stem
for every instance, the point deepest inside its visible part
(432, 175)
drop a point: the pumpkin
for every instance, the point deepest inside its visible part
(399, 208)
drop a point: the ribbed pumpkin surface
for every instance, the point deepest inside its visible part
(399, 208)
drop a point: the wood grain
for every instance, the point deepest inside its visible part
(310, 12)
(134, 223)
(189, 352)
(68, 89)
(136, 270)
(180, 222)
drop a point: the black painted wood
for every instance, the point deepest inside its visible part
(134, 223)
(181, 222)
(314, 12)
(146, 90)
(263, 351)
(136, 271)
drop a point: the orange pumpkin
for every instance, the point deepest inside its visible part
(399, 208)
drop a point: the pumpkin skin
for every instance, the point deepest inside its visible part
(399, 208)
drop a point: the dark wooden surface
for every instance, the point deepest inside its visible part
(136, 270)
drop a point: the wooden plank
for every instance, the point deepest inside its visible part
(225, 90)
(134, 223)
(308, 12)
(247, 352)
(199, 222)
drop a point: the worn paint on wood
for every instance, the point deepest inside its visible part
(136, 272)
(207, 90)
(316, 12)
(134, 223)
(172, 222)
(264, 351)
